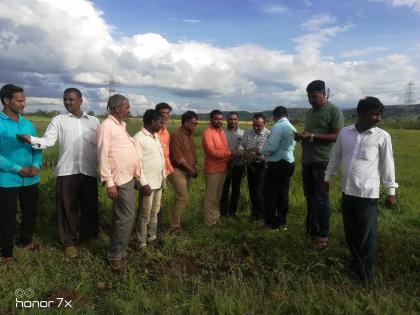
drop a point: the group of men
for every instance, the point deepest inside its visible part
(152, 156)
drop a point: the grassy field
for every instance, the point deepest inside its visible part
(235, 268)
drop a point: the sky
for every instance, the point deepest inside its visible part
(201, 55)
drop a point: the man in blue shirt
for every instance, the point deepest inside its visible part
(278, 154)
(19, 165)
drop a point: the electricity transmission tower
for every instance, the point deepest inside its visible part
(111, 87)
(409, 100)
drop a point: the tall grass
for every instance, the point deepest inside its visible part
(235, 268)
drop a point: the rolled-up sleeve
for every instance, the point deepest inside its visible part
(387, 166)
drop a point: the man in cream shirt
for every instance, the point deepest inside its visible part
(152, 164)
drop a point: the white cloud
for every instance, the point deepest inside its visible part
(70, 41)
(413, 4)
(363, 51)
(274, 9)
(190, 21)
(48, 101)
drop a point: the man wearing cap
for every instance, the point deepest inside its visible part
(322, 125)
(364, 153)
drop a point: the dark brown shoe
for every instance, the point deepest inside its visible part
(71, 251)
(117, 265)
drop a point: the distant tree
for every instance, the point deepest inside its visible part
(91, 112)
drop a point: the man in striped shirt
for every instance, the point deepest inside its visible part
(253, 142)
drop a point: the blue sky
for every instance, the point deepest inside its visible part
(244, 55)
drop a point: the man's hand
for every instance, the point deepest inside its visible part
(196, 172)
(325, 187)
(33, 171)
(235, 154)
(24, 138)
(24, 172)
(192, 172)
(390, 201)
(112, 192)
(146, 190)
(302, 136)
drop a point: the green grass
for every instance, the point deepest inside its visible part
(236, 268)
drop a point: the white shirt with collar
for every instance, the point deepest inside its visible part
(366, 158)
(77, 143)
(152, 161)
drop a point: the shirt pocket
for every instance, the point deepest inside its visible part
(368, 152)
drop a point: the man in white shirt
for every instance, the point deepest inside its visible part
(365, 155)
(152, 165)
(76, 171)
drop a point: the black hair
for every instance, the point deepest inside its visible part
(259, 115)
(369, 104)
(280, 111)
(232, 113)
(188, 115)
(149, 116)
(160, 106)
(215, 112)
(316, 86)
(8, 90)
(73, 90)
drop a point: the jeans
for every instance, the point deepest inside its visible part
(28, 199)
(276, 192)
(256, 174)
(360, 227)
(317, 203)
(234, 179)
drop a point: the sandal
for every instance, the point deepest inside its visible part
(31, 247)
(321, 243)
(7, 261)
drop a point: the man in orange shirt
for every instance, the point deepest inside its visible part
(164, 110)
(216, 156)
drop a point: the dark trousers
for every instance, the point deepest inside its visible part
(28, 199)
(74, 192)
(234, 179)
(276, 192)
(256, 174)
(317, 203)
(360, 227)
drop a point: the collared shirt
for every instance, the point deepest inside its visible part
(117, 155)
(321, 120)
(77, 143)
(234, 138)
(365, 158)
(164, 138)
(182, 148)
(280, 144)
(15, 155)
(216, 150)
(151, 158)
(253, 140)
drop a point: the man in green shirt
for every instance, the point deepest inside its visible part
(322, 125)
